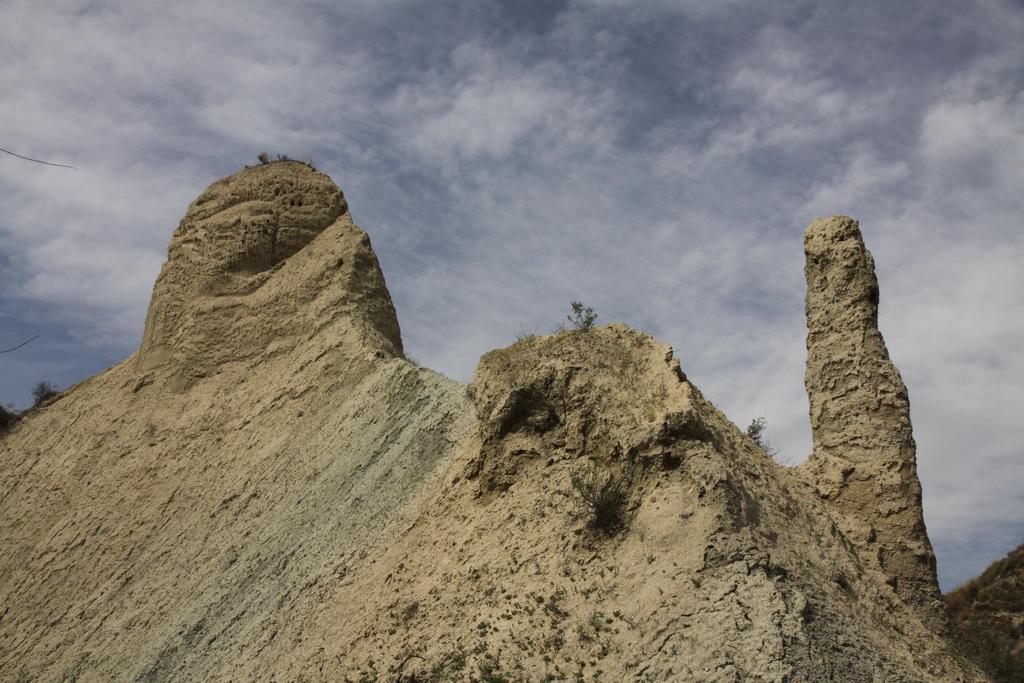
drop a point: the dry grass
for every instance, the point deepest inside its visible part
(986, 614)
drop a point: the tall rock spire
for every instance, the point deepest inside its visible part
(864, 458)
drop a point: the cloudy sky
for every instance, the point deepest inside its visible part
(656, 160)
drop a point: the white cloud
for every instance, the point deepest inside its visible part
(862, 179)
(485, 108)
(977, 143)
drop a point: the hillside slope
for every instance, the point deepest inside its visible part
(268, 490)
(988, 616)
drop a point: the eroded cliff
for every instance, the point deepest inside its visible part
(269, 490)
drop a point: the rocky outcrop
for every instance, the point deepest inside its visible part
(612, 397)
(268, 490)
(864, 460)
(166, 519)
(228, 291)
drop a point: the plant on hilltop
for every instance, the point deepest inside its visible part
(582, 317)
(265, 159)
(756, 432)
(603, 500)
(43, 391)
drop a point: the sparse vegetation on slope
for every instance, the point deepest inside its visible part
(43, 391)
(988, 618)
(603, 500)
(991, 650)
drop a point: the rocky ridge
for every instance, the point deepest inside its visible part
(270, 490)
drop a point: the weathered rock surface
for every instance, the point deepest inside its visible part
(864, 459)
(164, 521)
(270, 491)
(228, 291)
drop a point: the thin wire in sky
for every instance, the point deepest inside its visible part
(38, 161)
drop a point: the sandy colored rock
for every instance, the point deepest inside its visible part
(270, 491)
(864, 461)
(228, 291)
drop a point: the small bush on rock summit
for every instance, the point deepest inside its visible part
(265, 159)
(582, 317)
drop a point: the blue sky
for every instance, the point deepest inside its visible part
(658, 161)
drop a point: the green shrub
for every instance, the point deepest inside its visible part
(602, 499)
(756, 432)
(43, 391)
(582, 317)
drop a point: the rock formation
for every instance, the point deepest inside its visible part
(864, 460)
(228, 291)
(269, 490)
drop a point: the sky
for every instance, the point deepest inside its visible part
(656, 160)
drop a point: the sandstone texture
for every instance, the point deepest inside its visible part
(269, 490)
(228, 291)
(864, 459)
